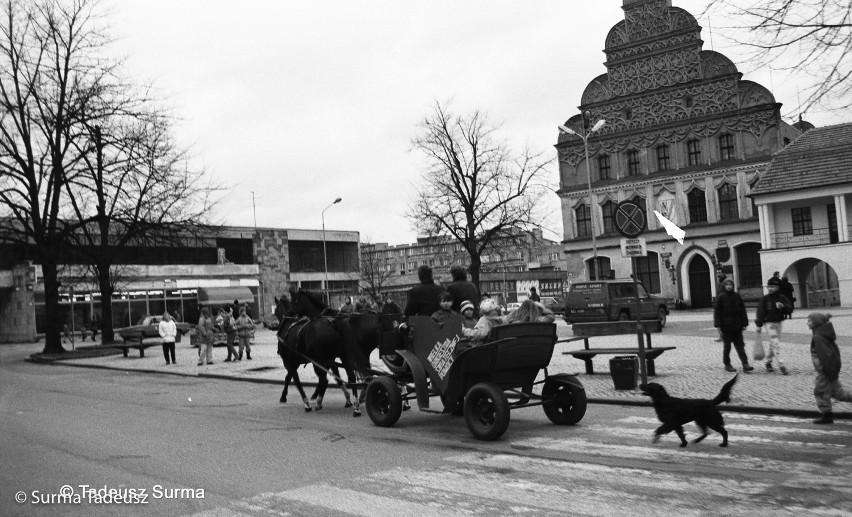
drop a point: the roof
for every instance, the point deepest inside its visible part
(819, 157)
(224, 295)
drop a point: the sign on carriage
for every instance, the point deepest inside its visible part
(634, 247)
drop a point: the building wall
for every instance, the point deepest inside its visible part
(664, 92)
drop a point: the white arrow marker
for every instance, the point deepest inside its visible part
(671, 228)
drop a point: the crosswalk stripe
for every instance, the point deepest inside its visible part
(747, 427)
(691, 454)
(647, 433)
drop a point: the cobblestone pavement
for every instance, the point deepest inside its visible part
(694, 369)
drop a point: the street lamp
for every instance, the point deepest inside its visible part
(599, 124)
(324, 254)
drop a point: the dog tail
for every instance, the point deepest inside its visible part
(725, 393)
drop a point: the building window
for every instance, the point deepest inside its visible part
(604, 167)
(584, 221)
(831, 211)
(697, 206)
(726, 146)
(802, 224)
(632, 162)
(605, 267)
(728, 202)
(753, 204)
(687, 101)
(663, 159)
(748, 265)
(608, 210)
(648, 271)
(693, 152)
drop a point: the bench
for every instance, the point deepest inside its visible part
(140, 345)
(609, 328)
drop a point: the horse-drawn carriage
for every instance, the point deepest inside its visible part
(484, 382)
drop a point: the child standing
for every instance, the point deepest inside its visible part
(446, 303)
(826, 358)
(467, 313)
(772, 310)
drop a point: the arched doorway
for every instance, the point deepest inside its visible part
(700, 286)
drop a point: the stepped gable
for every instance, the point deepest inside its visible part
(819, 157)
(661, 85)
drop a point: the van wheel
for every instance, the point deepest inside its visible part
(623, 316)
(661, 315)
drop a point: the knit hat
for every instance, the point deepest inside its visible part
(774, 281)
(818, 318)
(466, 305)
(727, 281)
(487, 306)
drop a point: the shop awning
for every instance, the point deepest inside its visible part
(224, 295)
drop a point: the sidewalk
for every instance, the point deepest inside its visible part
(694, 369)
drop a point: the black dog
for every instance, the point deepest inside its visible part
(673, 412)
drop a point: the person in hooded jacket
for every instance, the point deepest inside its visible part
(826, 358)
(730, 318)
(772, 309)
(489, 317)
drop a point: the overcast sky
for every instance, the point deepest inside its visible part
(300, 102)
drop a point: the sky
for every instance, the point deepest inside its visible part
(291, 104)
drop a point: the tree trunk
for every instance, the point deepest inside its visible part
(105, 286)
(475, 266)
(53, 330)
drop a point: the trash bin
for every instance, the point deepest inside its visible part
(625, 371)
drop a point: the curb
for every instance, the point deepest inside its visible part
(802, 413)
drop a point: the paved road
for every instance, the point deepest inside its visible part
(214, 447)
(693, 369)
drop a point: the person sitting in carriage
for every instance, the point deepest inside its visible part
(489, 318)
(467, 310)
(530, 311)
(446, 310)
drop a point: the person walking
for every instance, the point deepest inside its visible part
(205, 337)
(534, 295)
(245, 326)
(730, 319)
(826, 358)
(771, 310)
(168, 333)
(461, 288)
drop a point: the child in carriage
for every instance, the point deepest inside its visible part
(469, 320)
(446, 310)
(490, 318)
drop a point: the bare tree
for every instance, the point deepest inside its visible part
(134, 187)
(808, 39)
(48, 71)
(374, 270)
(475, 188)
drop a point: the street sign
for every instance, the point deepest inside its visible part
(630, 219)
(634, 247)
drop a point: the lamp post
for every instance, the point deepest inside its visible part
(324, 254)
(599, 124)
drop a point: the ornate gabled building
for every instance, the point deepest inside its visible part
(685, 135)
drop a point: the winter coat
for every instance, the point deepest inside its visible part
(205, 330)
(824, 351)
(167, 330)
(479, 333)
(462, 290)
(245, 326)
(767, 311)
(729, 313)
(440, 316)
(423, 300)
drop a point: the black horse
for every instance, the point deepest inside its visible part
(305, 336)
(357, 336)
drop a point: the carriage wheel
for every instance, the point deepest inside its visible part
(383, 401)
(486, 411)
(564, 402)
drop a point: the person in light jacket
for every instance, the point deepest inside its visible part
(245, 326)
(168, 333)
(205, 337)
(772, 309)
